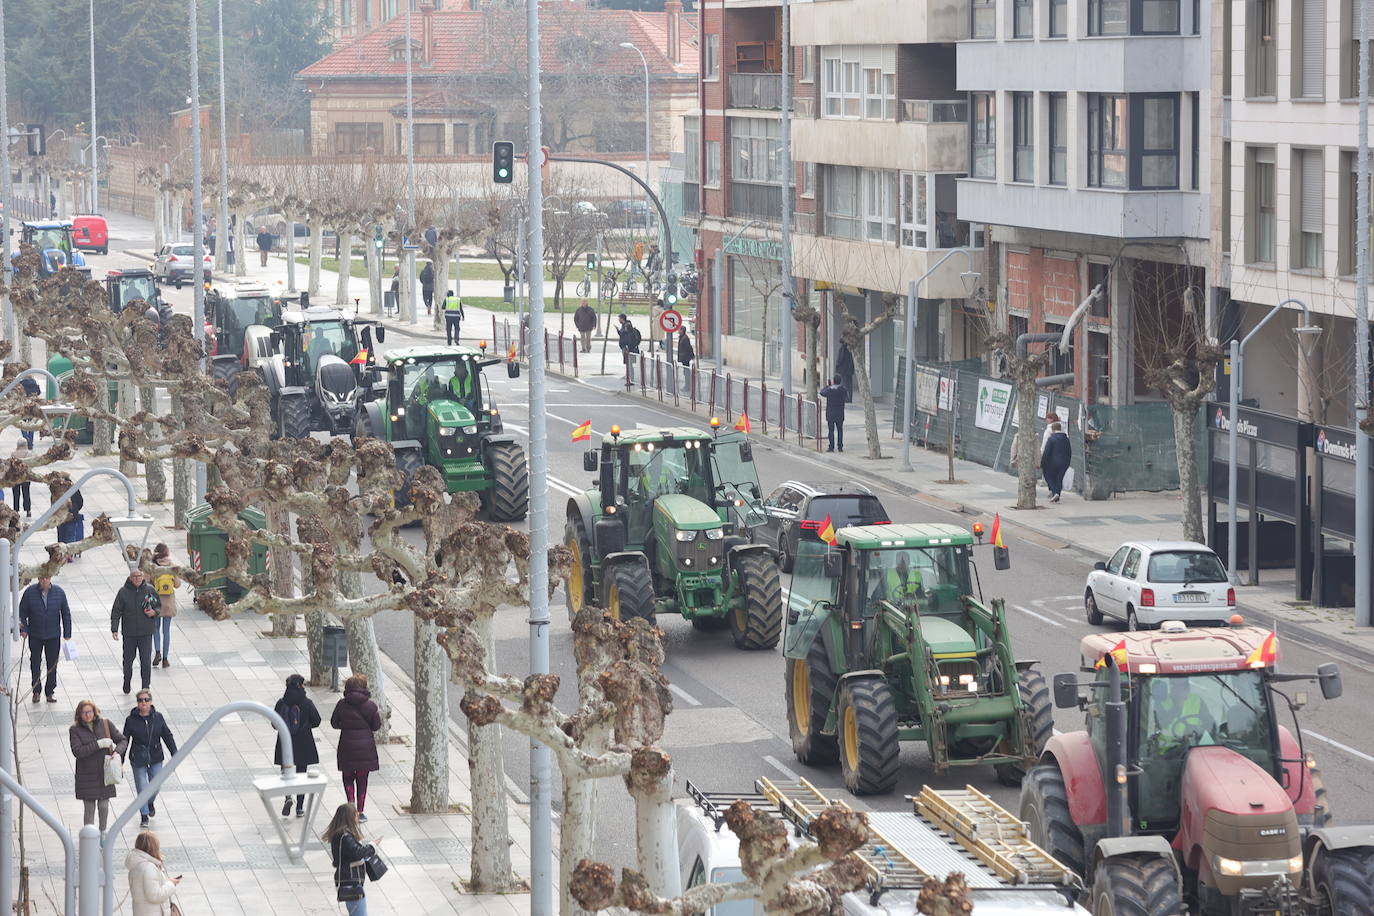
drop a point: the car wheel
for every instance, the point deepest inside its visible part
(1132, 622)
(1090, 605)
(785, 560)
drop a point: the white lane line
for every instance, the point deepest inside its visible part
(563, 486)
(684, 695)
(1051, 621)
(776, 764)
(1336, 744)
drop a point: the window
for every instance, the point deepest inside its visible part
(712, 164)
(1226, 197)
(1059, 137)
(1059, 18)
(1113, 565)
(1023, 136)
(808, 179)
(756, 150)
(461, 132)
(1260, 198)
(1106, 141)
(1154, 17)
(984, 19)
(913, 210)
(1061, 363)
(880, 95)
(691, 149)
(1309, 49)
(754, 281)
(429, 139)
(1100, 275)
(1308, 215)
(1349, 221)
(1107, 17)
(841, 201)
(1259, 48)
(712, 66)
(808, 65)
(1228, 61)
(1100, 366)
(345, 13)
(1023, 19)
(984, 131)
(1156, 124)
(358, 137)
(880, 205)
(1350, 49)
(859, 82)
(1195, 105)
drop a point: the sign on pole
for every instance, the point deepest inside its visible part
(670, 321)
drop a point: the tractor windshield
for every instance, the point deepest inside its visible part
(1175, 714)
(43, 239)
(810, 585)
(659, 468)
(736, 476)
(327, 337)
(131, 288)
(235, 316)
(455, 379)
(928, 579)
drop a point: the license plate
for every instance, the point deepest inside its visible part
(1190, 597)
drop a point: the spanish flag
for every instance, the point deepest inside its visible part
(828, 531)
(1118, 652)
(742, 424)
(510, 357)
(997, 531)
(582, 432)
(1267, 653)
(360, 359)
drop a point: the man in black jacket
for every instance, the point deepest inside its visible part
(835, 395)
(44, 617)
(135, 609)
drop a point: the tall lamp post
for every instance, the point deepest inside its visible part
(222, 237)
(408, 235)
(7, 190)
(648, 132)
(95, 150)
(197, 214)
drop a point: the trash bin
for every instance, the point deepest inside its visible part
(206, 547)
(61, 368)
(334, 647)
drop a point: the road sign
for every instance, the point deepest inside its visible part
(670, 321)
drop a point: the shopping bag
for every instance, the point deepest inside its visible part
(1068, 479)
(70, 651)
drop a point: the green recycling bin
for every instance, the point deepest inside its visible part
(206, 547)
(61, 368)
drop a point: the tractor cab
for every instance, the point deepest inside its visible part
(232, 311)
(124, 286)
(315, 373)
(53, 239)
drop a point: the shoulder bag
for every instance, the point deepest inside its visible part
(114, 764)
(349, 886)
(375, 867)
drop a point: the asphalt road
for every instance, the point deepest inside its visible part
(729, 724)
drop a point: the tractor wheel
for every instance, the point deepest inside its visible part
(1090, 606)
(629, 591)
(1342, 879)
(758, 624)
(579, 584)
(293, 416)
(1045, 811)
(408, 462)
(227, 372)
(810, 691)
(869, 749)
(709, 624)
(1136, 885)
(1035, 695)
(510, 483)
(1321, 813)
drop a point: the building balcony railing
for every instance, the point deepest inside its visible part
(691, 199)
(760, 201)
(756, 90)
(925, 111)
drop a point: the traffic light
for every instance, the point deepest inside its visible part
(38, 141)
(503, 162)
(670, 291)
(591, 261)
(377, 239)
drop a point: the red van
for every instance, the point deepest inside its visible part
(91, 233)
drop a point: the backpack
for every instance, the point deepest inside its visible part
(165, 583)
(292, 715)
(635, 337)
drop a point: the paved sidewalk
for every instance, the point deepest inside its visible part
(211, 822)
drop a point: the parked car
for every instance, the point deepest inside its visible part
(1147, 582)
(91, 233)
(174, 264)
(797, 511)
(628, 214)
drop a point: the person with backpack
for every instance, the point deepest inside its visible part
(147, 732)
(165, 584)
(302, 718)
(135, 610)
(73, 528)
(628, 335)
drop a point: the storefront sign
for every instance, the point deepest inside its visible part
(993, 398)
(755, 248)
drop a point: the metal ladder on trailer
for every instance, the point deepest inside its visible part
(991, 834)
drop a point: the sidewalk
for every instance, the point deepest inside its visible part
(210, 821)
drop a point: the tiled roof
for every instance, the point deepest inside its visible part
(459, 43)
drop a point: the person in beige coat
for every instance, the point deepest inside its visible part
(150, 887)
(166, 585)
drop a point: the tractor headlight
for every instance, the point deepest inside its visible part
(686, 536)
(1295, 863)
(448, 431)
(400, 411)
(714, 534)
(1230, 867)
(686, 561)
(470, 430)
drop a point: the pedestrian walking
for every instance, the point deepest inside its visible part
(1051, 418)
(844, 365)
(45, 618)
(356, 717)
(628, 336)
(165, 583)
(685, 353)
(147, 732)
(302, 718)
(836, 396)
(73, 528)
(651, 265)
(348, 851)
(584, 319)
(395, 301)
(427, 286)
(638, 254)
(150, 887)
(453, 319)
(135, 610)
(20, 491)
(30, 388)
(1055, 460)
(264, 246)
(93, 739)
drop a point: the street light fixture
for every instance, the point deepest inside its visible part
(648, 136)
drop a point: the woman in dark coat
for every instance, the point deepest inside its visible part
(356, 717)
(844, 365)
(685, 353)
(90, 747)
(1055, 460)
(302, 718)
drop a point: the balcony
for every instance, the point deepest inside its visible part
(759, 201)
(878, 266)
(1134, 63)
(925, 111)
(928, 144)
(1089, 211)
(756, 90)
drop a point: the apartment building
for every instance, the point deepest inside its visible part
(1283, 218)
(1089, 162)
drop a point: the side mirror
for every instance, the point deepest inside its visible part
(1100, 566)
(381, 334)
(1329, 676)
(366, 337)
(746, 451)
(591, 459)
(1001, 558)
(834, 563)
(513, 369)
(1065, 691)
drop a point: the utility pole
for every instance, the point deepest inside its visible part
(222, 236)
(6, 188)
(1364, 530)
(197, 214)
(788, 287)
(95, 149)
(410, 172)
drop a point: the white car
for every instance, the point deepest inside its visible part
(1147, 582)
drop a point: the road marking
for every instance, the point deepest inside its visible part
(684, 695)
(777, 765)
(563, 486)
(1344, 747)
(1051, 621)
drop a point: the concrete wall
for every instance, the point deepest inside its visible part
(882, 144)
(853, 22)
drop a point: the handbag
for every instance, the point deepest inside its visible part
(375, 867)
(350, 888)
(114, 764)
(176, 910)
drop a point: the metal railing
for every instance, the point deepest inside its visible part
(763, 201)
(756, 90)
(926, 111)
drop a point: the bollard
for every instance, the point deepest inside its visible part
(711, 393)
(729, 390)
(801, 430)
(763, 404)
(560, 349)
(782, 414)
(658, 377)
(643, 378)
(744, 399)
(494, 338)
(692, 374)
(575, 349)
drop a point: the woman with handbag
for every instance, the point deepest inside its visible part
(354, 861)
(99, 751)
(147, 732)
(150, 887)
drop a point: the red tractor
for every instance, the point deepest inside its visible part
(1184, 789)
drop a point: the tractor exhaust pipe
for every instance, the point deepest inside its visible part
(1118, 801)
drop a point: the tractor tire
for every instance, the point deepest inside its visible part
(408, 462)
(227, 372)
(1342, 879)
(1136, 885)
(810, 688)
(709, 624)
(1321, 812)
(1035, 694)
(1090, 608)
(1045, 811)
(293, 416)
(579, 585)
(758, 624)
(867, 731)
(629, 591)
(510, 483)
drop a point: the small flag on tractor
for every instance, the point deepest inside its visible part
(582, 432)
(1118, 653)
(360, 359)
(997, 531)
(510, 357)
(1266, 654)
(828, 531)
(742, 424)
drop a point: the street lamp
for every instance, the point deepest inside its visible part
(222, 236)
(197, 214)
(95, 152)
(7, 191)
(648, 136)
(410, 247)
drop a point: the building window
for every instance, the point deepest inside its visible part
(1228, 63)
(756, 150)
(1059, 18)
(880, 205)
(1100, 366)
(1106, 141)
(353, 138)
(1309, 49)
(753, 282)
(712, 67)
(345, 13)
(1195, 104)
(1023, 136)
(691, 149)
(1107, 17)
(1226, 197)
(1061, 363)
(461, 133)
(712, 164)
(1156, 124)
(913, 209)
(808, 179)
(1260, 205)
(1155, 17)
(1023, 19)
(859, 82)
(1349, 224)
(880, 94)
(841, 201)
(1308, 219)
(1059, 137)
(1259, 48)
(984, 19)
(1100, 274)
(1350, 49)
(808, 65)
(429, 139)
(984, 135)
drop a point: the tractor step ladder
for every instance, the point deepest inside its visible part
(991, 834)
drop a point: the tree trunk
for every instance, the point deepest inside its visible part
(813, 362)
(440, 259)
(127, 466)
(313, 258)
(491, 868)
(363, 655)
(374, 280)
(429, 780)
(1027, 459)
(240, 243)
(314, 647)
(100, 435)
(577, 830)
(159, 214)
(656, 837)
(181, 474)
(345, 267)
(155, 475)
(403, 293)
(1189, 482)
(283, 570)
(875, 449)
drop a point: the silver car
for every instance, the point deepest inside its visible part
(175, 263)
(1147, 582)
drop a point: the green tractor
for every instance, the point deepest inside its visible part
(435, 407)
(885, 643)
(666, 531)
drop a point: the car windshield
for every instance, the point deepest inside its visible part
(660, 468)
(846, 510)
(131, 288)
(1187, 566)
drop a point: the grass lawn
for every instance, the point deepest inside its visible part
(494, 304)
(472, 270)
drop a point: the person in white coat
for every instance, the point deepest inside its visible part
(150, 887)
